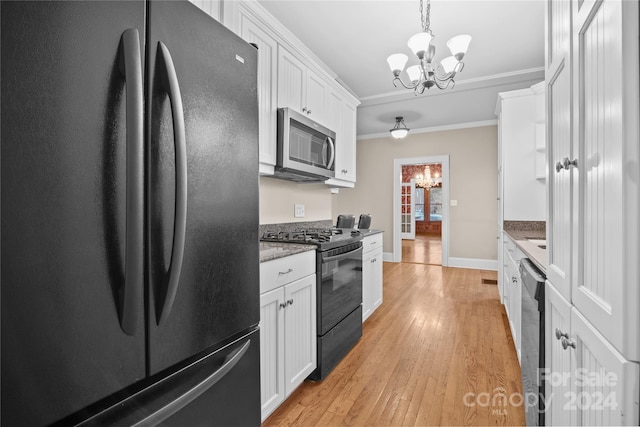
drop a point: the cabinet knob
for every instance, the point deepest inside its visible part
(560, 334)
(304, 109)
(514, 279)
(559, 167)
(566, 343)
(569, 163)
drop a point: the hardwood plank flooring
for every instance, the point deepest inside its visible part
(438, 351)
(425, 249)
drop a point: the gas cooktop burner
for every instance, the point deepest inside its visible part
(322, 237)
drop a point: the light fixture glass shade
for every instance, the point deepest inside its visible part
(414, 73)
(399, 133)
(397, 61)
(449, 64)
(419, 43)
(400, 130)
(458, 45)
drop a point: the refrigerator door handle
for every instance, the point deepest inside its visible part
(230, 361)
(170, 84)
(130, 294)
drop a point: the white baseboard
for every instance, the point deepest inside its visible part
(387, 256)
(479, 264)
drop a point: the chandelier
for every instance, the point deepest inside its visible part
(426, 181)
(426, 75)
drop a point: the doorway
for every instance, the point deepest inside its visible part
(425, 247)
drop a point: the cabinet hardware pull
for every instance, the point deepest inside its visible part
(560, 334)
(569, 163)
(290, 302)
(282, 273)
(514, 279)
(283, 305)
(566, 343)
(559, 167)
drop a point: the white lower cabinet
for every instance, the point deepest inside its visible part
(287, 327)
(588, 381)
(371, 274)
(513, 290)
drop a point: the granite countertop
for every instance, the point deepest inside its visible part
(274, 250)
(370, 232)
(521, 232)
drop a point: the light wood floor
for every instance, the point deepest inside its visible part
(425, 249)
(436, 352)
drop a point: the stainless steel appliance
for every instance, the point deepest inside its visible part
(306, 150)
(127, 128)
(532, 359)
(339, 290)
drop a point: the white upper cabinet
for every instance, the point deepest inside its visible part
(211, 7)
(523, 195)
(267, 83)
(289, 75)
(301, 89)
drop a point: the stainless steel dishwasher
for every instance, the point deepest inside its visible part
(532, 345)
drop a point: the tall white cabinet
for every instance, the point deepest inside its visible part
(371, 274)
(593, 287)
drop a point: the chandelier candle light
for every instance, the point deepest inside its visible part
(425, 75)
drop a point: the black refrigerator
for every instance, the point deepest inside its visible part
(129, 216)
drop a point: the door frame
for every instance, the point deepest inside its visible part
(397, 173)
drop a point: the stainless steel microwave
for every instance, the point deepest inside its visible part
(306, 150)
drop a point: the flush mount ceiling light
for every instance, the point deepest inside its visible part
(425, 75)
(400, 130)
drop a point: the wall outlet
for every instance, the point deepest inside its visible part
(298, 211)
(454, 203)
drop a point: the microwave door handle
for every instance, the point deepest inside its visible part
(333, 152)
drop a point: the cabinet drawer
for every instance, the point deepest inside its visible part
(370, 243)
(285, 270)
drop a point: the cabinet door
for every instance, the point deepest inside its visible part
(291, 81)
(506, 280)
(367, 284)
(376, 288)
(515, 303)
(267, 83)
(315, 100)
(605, 282)
(558, 75)
(300, 331)
(272, 388)
(557, 375)
(606, 384)
(346, 146)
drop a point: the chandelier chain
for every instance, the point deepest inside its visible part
(425, 17)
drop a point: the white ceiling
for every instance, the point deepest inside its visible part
(354, 38)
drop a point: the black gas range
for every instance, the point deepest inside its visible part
(338, 287)
(323, 238)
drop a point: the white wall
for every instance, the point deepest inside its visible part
(278, 196)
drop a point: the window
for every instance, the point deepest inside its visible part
(435, 204)
(419, 204)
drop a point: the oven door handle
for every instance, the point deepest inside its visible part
(341, 256)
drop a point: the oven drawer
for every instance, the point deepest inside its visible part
(281, 271)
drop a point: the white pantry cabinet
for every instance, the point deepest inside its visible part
(592, 68)
(371, 274)
(287, 326)
(588, 381)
